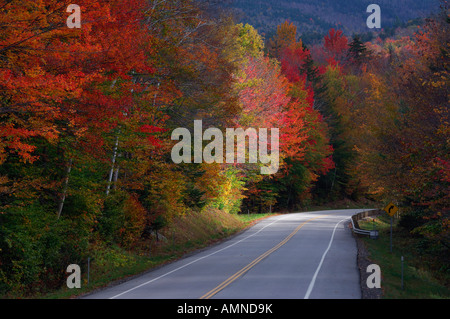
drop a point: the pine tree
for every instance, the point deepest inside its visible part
(357, 52)
(313, 76)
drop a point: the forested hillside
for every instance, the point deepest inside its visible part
(314, 18)
(87, 116)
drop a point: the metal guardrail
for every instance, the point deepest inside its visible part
(355, 225)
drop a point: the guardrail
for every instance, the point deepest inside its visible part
(355, 225)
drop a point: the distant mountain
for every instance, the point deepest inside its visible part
(315, 17)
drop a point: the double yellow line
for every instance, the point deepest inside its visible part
(256, 261)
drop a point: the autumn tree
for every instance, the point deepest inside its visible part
(303, 140)
(286, 36)
(336, 46)
(67, 95)
(309, 154)
(422, 151)
(401, 129)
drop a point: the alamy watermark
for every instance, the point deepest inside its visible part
(74, 279)
(374, 20)
(213, 152)
(374, 279)
(242, 146)
(74, 20)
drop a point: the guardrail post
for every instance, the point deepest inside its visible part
(88, 270)
(390, 238)
(402, 272)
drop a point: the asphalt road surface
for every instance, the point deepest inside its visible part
(294, 256)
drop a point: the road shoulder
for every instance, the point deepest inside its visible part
(363, 262)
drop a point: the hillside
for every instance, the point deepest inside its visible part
(315, 18)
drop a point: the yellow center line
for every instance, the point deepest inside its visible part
(256, 261)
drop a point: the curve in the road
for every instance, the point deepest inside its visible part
(302, 255)
(224, 284)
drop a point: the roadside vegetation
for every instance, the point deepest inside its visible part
(426, 268)
(190, 233)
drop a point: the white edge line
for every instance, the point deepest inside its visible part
(196, 260)
(313, 281)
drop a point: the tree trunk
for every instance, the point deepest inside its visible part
(66, 183)
(116, 177)
(108, 188)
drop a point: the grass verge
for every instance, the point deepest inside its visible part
(420, 282)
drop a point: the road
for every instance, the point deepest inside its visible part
(294, 256)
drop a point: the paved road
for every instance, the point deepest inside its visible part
(294, 256)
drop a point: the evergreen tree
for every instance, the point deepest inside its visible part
(357, 52)
(312, 73)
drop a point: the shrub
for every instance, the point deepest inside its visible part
(123, 219)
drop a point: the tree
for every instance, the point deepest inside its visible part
(336, 46)
(286, 36)
(357, 53)
(337, 101)
(67, 93)
(401, 131)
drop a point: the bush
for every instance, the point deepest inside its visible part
(110, 219)
(123, 219)
(134, 221)
(36, 248)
